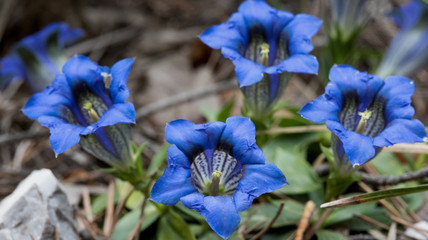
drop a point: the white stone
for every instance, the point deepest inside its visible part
(415, 234)
(37, 209)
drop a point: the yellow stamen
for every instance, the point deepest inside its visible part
(92, 114)
(265, 54)
(364, 117)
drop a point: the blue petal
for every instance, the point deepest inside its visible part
(325, 107)
(118, 113)
(220, 212)
(247, 71)
(397, 93)
(232, 34)
(239, 134)
(177, 157)
(46, 103)
(11, 68)
(401, 131)
(358, 148)
(298, 63)
(63, 135)
(172, 185)
(81, 69)
(259, 12)
(119, 75)
(409, 14)
(299, 33)
(192, 138)
(351, 81)
(257, 180)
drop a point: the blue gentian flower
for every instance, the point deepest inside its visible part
(408, 51)
(265, 45)
(38, 58)
(216, 169)
(365, 113)
(86, 104)
(348, 17)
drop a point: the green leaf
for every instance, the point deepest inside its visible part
(226, 110)
(158, 159)
(300, 175)
(172, 226)
(330, 235)
(189, 214)
(290, 215)
(376, 213)
(415, 201)
(387, 164)
(99, 203)
(209, 113)
(328, 154)
(125, 225)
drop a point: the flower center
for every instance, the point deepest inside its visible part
(218, 175)
(370, 122)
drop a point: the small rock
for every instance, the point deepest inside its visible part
(415, 234)
(38, 209)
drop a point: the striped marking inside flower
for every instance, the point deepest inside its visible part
(217, 176)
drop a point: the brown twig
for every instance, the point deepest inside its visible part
(254, 227)
(7, 138)
(393, 180)
(87, 204)
(306, 217)
(136, 230)
(377, 223)
(241, 229)
(292, 130)
(103, 41)
(265, 229)
(318, 224)
(184, 98)
(120, 206)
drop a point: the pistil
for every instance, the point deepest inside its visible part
(215, 183)
(364, 117)
(264, 51)
(92, 114)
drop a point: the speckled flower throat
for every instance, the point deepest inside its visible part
(218, 174)
(367, 120)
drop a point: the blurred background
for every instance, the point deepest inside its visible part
(162, 36)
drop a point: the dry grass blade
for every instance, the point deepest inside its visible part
(108, 220)
(392, 234)
(292, 130)
(87, 204)
(306, 217)
(183, 98)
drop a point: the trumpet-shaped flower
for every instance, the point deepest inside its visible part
(86, 104)
(408, 51)
(38, 58)
(365, 113)
(265, 45)
(348, 17)
(216, 169)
